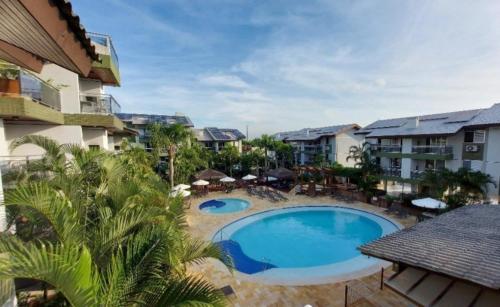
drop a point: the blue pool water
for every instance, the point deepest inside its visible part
(301, 237)
(224, 205)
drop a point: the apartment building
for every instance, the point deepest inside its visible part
(52, 79)
(406, 147)
(327, 144)
(215, 139)
(140, 123)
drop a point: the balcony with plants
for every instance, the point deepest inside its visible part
(17, 82)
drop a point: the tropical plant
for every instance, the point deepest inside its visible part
(112, 237)
(189, 160)
(283, 154)
(229, 156)
(367, 165)
(267, 143)
(459, 187)
(168, 139)
(251, 161)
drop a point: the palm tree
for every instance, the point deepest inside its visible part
(366, 164)
(116, 239)
(267, 143)
(168, 138)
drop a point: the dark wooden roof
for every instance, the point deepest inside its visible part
(210, 174)
(281, 173)
(463, 243)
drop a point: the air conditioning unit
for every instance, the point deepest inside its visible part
(471, 148)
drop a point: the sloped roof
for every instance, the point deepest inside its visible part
(433, 124)
(463, 243)
(217, 134)
(307, 134)
(146, 119)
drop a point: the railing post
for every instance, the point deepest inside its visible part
(346, 295)
(382, 279)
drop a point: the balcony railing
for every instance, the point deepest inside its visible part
(105, 40)
(385, 148)
(392, 171)
(416, 174)
(430, 149)
(18, 82)
(100, 104)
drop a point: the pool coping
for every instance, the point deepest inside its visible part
(226, 213)
(315, 275)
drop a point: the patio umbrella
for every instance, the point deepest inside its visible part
(181, 187)
(201, 182)
(271, 178)
(227, 179)
(249, 177)
(429, 203)
(210, 174)
(182, 193)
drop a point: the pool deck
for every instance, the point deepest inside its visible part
(253, 293)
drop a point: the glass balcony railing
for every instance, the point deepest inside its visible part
(432, 149)
(100, 104)
(391, 171)
(105, 40)
(18, 82)
(385, 148)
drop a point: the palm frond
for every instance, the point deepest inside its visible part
(189, 291)
(67, 268)
(53, 206)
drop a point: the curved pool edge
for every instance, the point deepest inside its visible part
(316, 275)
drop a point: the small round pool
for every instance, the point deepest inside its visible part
(303, 245)
(224, 205)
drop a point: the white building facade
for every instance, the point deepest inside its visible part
(324, 145)
(406, 147)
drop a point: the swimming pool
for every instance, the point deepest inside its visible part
(224, 205)
(303, 245)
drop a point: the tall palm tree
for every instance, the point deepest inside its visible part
(169, 138)
(366, 164)
(117, 239)
(267, 143)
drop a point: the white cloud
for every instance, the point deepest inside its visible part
(224, 80)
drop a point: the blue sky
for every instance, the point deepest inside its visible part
(281, 65)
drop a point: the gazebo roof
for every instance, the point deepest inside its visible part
(210, 174)
(463, 243)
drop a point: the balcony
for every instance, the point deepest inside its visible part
(386, 148)
(99, 104)
(25, 96)
(391, 172)
(15, 81)
(432, 152)
(108, 68)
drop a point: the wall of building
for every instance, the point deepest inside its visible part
(343, 142)
(96, 136)
(456, 141)
(61, 134)
(491, 163)
(68, 85)
(90, 86)
(4, 145)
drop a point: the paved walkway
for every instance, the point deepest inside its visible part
(254, 294)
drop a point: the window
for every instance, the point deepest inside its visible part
(469, 136)
(478, 136)
(467, 164)
(117, 147)
(94, 146)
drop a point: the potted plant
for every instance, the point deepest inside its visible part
(9, 82)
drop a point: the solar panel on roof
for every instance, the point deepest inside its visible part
(217, 134)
